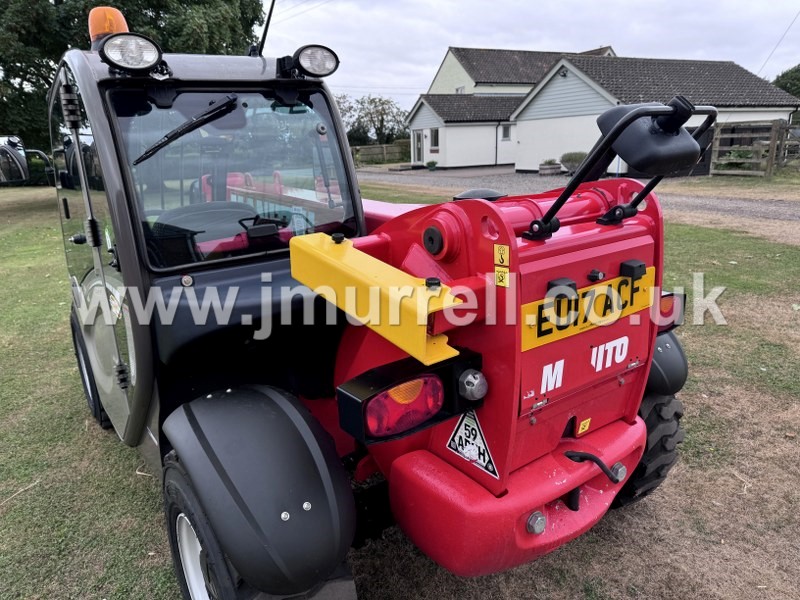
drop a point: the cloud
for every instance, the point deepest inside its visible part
(395, 48)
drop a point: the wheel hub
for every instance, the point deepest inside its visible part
(193, 560)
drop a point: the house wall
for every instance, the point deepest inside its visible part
(467, 145)
(425, 118)
(728, 115)
(450, 76)
(541, 139)
(568, 96)
(506, 149)
(562, 117)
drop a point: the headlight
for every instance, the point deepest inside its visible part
(130, 52)
(316, 61)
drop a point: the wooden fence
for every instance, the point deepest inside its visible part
(749, 149)
(400, 151)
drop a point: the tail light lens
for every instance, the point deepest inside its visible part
(670, 310)
(404, 406)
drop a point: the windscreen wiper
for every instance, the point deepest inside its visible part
(213, 113)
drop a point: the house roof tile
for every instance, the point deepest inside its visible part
(491, 66)
(722, 84)
(468, 108)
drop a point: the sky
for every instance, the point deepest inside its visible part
(394, 48)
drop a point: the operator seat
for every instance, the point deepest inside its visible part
(176, 232)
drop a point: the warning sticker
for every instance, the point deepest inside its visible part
(584, 426)
(501, 256)
(469, 443)
(501, 276)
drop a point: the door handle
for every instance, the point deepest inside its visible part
(114, 264)
(78, 239)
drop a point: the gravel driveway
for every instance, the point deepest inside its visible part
(505, 180)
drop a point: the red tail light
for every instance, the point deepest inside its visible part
(404, 406)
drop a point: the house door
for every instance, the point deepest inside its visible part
(418, 146)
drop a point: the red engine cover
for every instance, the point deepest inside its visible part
(551, 383)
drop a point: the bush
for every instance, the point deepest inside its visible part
(572, 160)
(550, 161)
(431, 164)
(731, 162)
(405, 148)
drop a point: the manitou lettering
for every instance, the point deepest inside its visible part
(610, 353)
(552, 376)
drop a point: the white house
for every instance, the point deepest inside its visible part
(559, 114)
(459, 130)
(463, 120)
(485, 71)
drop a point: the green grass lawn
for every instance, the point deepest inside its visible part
(404, 194)
(78, 521)
(86, 525)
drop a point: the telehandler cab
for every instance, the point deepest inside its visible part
(304, 367)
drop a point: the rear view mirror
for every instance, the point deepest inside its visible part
(13, 161)
(654, 145)
(650, 138)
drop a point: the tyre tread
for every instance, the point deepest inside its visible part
(662, 415)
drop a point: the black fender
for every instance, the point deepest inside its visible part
(670, 369)
(271, 483)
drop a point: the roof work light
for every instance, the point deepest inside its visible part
(316, 61)
(311, 61)
(130, 52)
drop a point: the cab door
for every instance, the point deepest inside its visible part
(97, 290)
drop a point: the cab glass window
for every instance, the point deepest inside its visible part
(221, 175)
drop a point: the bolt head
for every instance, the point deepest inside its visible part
(187, 280)
(284, 516)
(537, 523)
(433, 283)
(472, 385)
(619, 471)
(306, 506)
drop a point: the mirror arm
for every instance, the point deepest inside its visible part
(623, 211)
(546, 226)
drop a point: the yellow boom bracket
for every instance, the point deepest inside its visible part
(392, 303)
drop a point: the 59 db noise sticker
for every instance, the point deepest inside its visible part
(468, 441)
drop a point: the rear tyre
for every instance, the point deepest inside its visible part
(202, 569)
(662, 415)
(87, 377)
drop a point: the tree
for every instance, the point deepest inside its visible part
(789, 81)
(36, 33)
(383, 117)
(372, 118)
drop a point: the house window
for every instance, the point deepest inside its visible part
(506, 132)
(434, 140)
(460, 89)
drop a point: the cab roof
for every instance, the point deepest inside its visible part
(184, 67)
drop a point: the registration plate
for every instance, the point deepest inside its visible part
(566, 314)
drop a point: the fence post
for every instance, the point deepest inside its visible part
(714, 151)
(773, 142)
